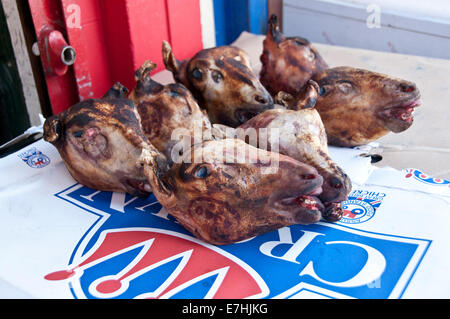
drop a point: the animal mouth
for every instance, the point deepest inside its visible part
(251, 110)
(403, 112)
(142, 187)
(308, 201)
(333, 212)
(243, 115)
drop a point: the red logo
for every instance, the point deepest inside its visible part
(198, 260)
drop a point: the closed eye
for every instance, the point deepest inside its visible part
(345, 87)
(300, 41)
(174, 93)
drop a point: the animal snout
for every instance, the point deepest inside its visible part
(261, 99)
(335, 189)
(310, 180)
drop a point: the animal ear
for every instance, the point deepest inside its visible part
(143, 73)
(307, 97)
(145, 83)
(178, 68)
(117, 91)
(155, 167)
(171, 63)
(52, 129)
(274, 29)
(285, 99)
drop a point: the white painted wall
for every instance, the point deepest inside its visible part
(207, 21)
(410, 27)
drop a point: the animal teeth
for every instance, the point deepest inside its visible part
(307, 201)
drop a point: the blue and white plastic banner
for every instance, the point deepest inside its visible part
(60, 239)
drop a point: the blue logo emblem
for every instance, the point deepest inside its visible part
(135, 249)
(360, 206)
(34, 158)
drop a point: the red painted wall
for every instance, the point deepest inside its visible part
(113, 38)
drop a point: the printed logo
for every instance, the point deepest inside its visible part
(162, 264)
(35, 158)
(135, 249)
(421, 177)
(360, 206)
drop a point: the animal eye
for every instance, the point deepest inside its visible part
(197, 74)
(345, 87)
(216, 76)
(301, 41)
(174, 93)
(77, 134)
(201, 172)
(311, 55)
(323, 90)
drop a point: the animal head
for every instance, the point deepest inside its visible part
(303, 137)
(222, 199)
(100, 141)
(222, 81)
(165, 108)
(358, 106)
(287, 62)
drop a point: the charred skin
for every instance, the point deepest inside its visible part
(100, 141)
(359, 106)
(287, 62)
(222, 81)
(222, 202)
(164, 109)
(301, 135)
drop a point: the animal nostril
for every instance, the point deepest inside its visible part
(336, 183)
(308, 176)
(260, 99)
(407, 88)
